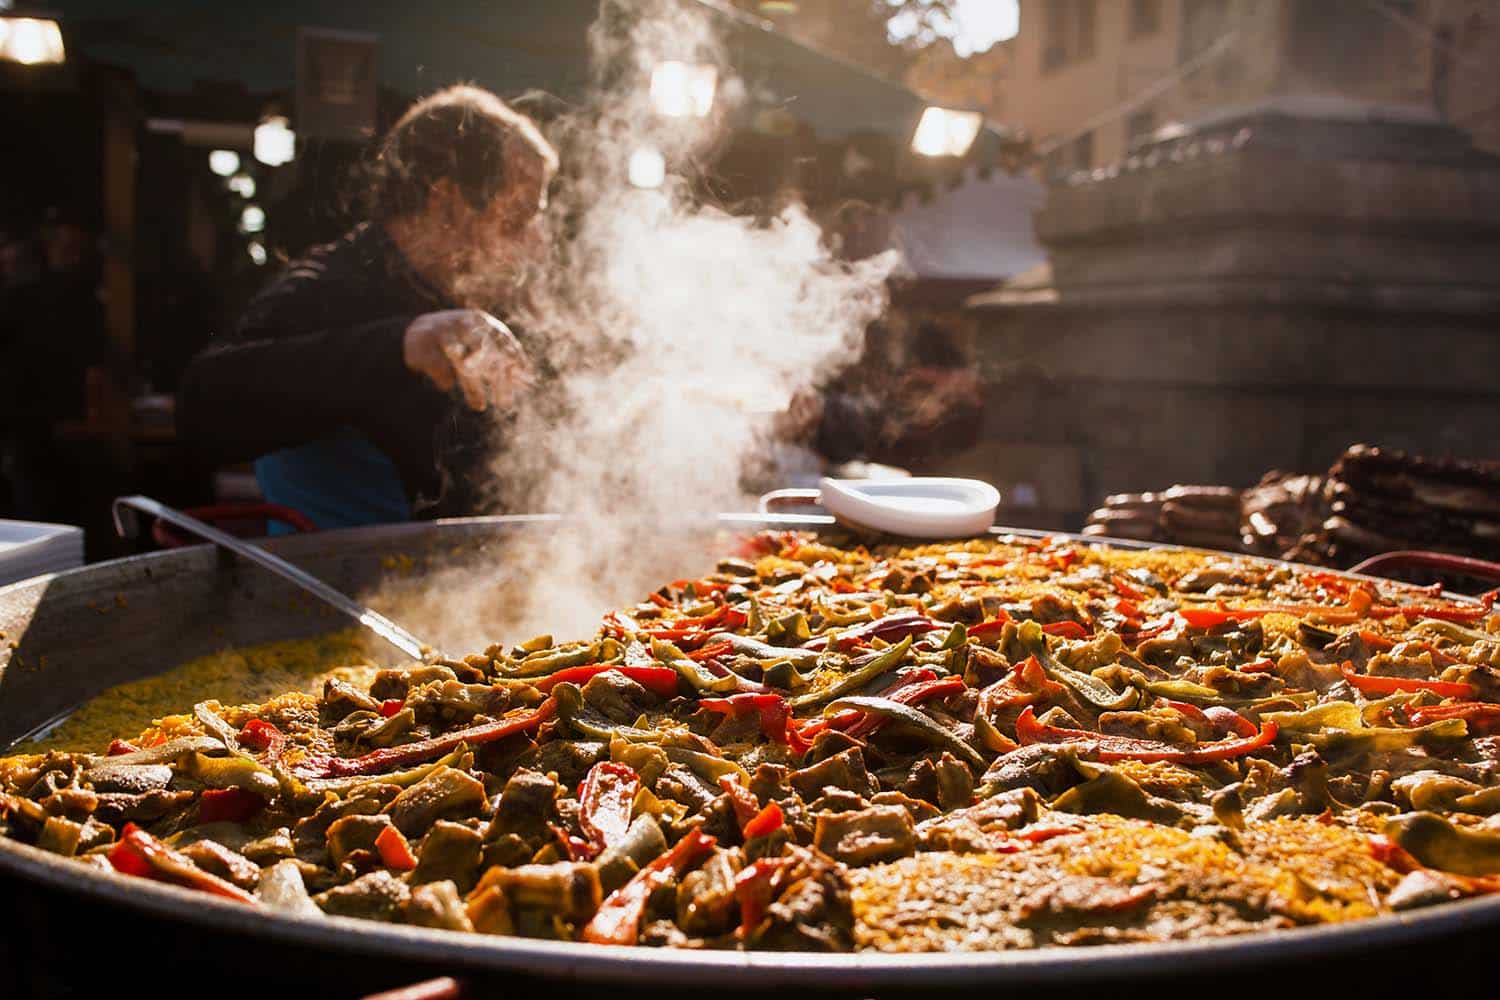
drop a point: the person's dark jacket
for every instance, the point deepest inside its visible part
(318, 351)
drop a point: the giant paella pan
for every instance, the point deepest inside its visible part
(827, 761)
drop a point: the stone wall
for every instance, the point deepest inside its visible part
(1258, 295)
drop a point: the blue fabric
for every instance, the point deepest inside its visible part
(341, 481)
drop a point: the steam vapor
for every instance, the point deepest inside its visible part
(678, 331)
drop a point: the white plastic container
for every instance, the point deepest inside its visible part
(32, 548)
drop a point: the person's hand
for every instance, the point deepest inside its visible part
(471, 349)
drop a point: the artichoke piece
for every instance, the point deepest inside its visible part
(445, 793)
(232, 772)
(886, 660)
(568, 889)
(643, 843)
(1435, 842)
(1088, 687)
(911, 721)
(437, 904)
(281, 888)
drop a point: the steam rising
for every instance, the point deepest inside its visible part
(678, 331)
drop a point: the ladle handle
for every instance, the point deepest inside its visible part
(776, 501)
(372, 620)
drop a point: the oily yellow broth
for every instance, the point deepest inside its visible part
(232, 677)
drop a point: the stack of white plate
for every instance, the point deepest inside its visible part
(31, 548)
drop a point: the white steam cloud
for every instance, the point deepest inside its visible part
(678, 331)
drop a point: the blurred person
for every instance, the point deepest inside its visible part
(54, 348)
(936, 405)
(359, 379)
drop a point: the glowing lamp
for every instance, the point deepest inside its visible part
(275, 142)
(243, 185)
(684, 90)
(31, 41)
(257, 253)
(224, 162)
(648, 169)
(252, 219)
(945, 132)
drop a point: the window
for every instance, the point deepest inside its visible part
(1139, 126)
(1083, 152)
(1068, 32)
(1145, 17)
(1083, 22)
(1204, 22)
(1054, 35)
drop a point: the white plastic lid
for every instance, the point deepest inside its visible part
(920, 507)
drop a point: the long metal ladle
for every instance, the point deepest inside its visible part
(128, 526)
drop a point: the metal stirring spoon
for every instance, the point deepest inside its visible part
(128, 526)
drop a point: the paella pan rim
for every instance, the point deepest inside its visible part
(586, 962)
(589, 962)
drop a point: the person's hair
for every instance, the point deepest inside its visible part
(460, 133)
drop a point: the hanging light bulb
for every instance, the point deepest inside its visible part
(945, 132)
(684, 90)
(275, 142)
(243, 185)
(31, 41)
(257, 253)
(647, 169)
(252, 219)
(223, 162)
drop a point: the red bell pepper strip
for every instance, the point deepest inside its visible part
(573, 848)
(1042, 834)
(618, 919)
(1067, 629)
(993, 627)
(232, 805)
(772, 708)
(1481, 715)
(1124, 588)
(661, 681)
(1457, 613)
(891, 628)
(1218, 717)
(1356, 606)
(1257, 667)
(395, 853)
(909, 694)
(606, 801)
(1150, 630)
(740, 800)
(1128, 609)
(703, 586)
(139, 853)
(1214, 617)
(754, 887)
(659, 600)
(712, 651)
(258, 734)
(765, 822)
(377, 761)
(620, 625)
(1374, 684)
(722, 615)
(391, 706)
(117, 747)
(1115, 748)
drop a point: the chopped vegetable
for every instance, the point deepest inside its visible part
(1113, 748)
(618, 920)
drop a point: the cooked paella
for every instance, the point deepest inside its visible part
(1003, 743)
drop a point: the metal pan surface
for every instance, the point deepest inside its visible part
(71, 635)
